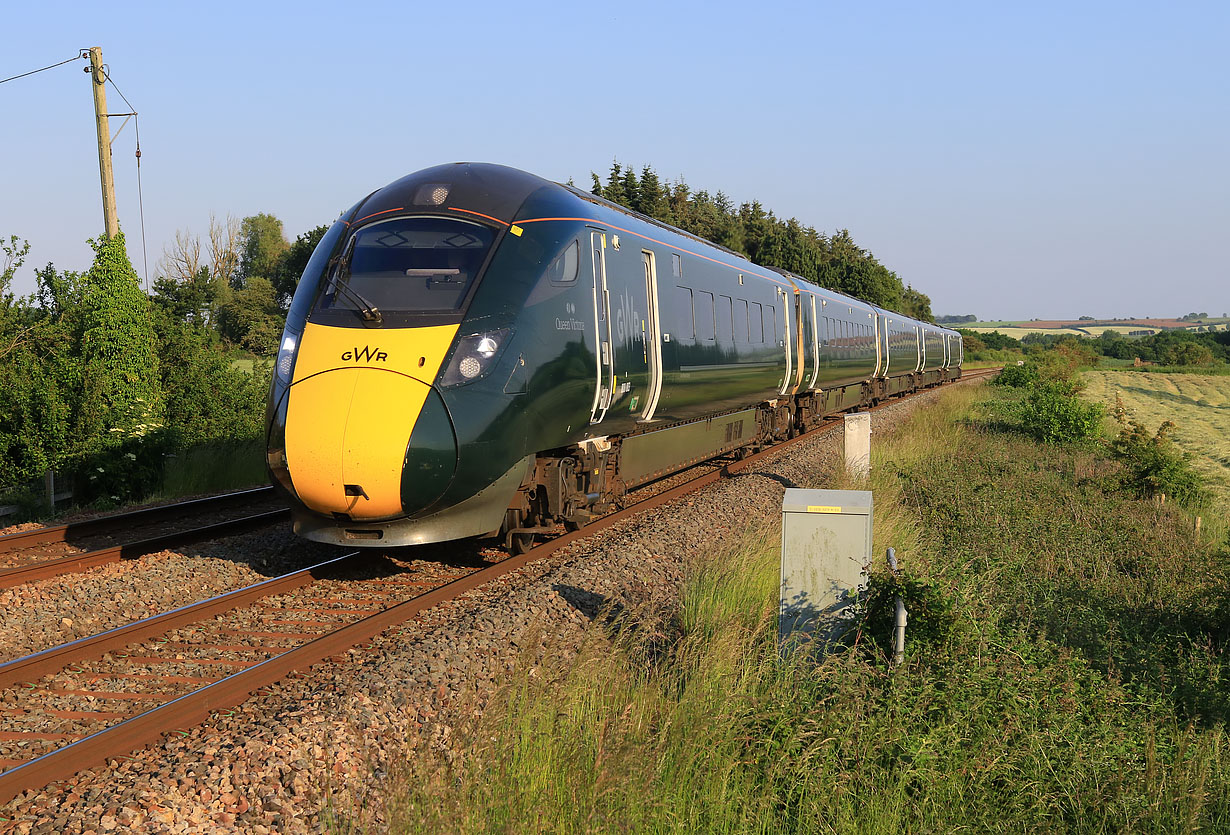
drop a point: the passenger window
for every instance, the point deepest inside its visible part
(687, 319)
(725, 319)
(676, 265)
(563, 269)
(704, 315)
(741, 320)
(772, 327)
(756, 322)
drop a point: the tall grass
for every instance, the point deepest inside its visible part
(1080, 687)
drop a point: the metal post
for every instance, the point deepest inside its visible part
(49, 484)
(901, 616)
(99, 83)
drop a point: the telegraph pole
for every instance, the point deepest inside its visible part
(99, 82)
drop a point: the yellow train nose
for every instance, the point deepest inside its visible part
(347, 431)
(350, 412)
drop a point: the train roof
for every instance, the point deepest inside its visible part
(485, 189)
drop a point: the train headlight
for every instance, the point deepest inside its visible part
(286, 357)
(474, 356)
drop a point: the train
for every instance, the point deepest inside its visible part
(475, 351)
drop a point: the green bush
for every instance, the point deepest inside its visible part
(1052, 414)
(931, 612)
(1154, 466)
(1017, 376)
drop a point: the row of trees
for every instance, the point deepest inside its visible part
(100, 382)
(832, 261)
(238, 282)
(1179, 347)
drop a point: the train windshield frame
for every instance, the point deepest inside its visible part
(408, 269)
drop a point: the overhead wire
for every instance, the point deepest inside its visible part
(136, 126)
(76, 57)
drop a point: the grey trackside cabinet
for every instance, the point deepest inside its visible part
(826, 554)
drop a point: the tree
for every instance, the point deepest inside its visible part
(916, 305)
(262, 244)
(194, 284)
(15, 251)
(293, 262)
(120, 396)
(252, 318)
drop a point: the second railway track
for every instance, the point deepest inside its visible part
(52, 551)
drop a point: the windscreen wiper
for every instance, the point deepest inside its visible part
(369, 311)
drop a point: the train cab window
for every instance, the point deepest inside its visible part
(563, 269)
(406, 265)
(676, 265)
(704, 315)
(756, 322)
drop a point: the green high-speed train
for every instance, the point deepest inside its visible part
(475, 351)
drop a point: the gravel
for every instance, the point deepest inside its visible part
(325, 739)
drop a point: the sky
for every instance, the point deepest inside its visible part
(1015, 161)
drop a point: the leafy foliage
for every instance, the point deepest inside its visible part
(1017, 376)
(293, 262)
(1052, 414)
(101, 385)
(252, 318)
(121, 394)
(262, 245)
(931, 619)
(1155, 467)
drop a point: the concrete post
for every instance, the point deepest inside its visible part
(858, 444)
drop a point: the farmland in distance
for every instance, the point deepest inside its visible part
(1198, 404)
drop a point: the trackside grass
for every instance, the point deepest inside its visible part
(1064, 673)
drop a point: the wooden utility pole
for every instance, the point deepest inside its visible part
(99, 83)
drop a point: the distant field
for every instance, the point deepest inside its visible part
(1017, 333)
(1123, 329)
(1198, 404)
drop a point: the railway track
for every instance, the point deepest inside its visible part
(80, 704)
(49, 552)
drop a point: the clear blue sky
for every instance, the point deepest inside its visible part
(1035, 160)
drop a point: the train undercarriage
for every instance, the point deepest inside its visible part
(573, 485)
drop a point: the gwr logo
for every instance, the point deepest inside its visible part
(365, 354)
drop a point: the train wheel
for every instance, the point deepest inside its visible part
(518, 543)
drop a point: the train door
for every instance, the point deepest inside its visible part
(604, 388)
(813, 331)
(885, 323)
(651, 328)
(877, 327)
(808, 350)
(787, 315)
